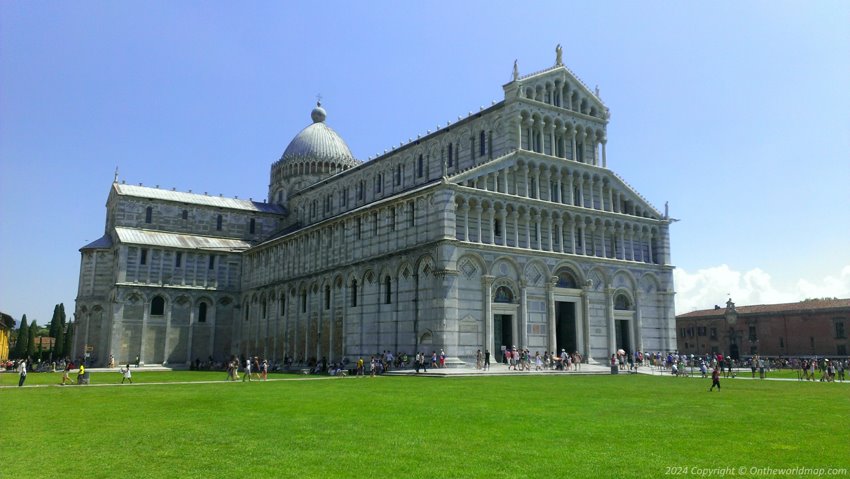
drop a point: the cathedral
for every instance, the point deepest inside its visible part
(504, 229)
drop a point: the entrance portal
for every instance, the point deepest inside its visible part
(622, 339)
(502, 334)
(565, 326)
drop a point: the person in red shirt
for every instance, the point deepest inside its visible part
(715, 379)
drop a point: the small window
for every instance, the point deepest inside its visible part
(202, 313)
(398, 175)
(247, 311)
(178, 259)
(391, 215)
(265, 309)
(497, 227)
(839, 330)
(812, 342)
(283, 304)
(252, 226)
(212, 261)
(451, 155)
(143, 259)
(218, 222)
(358, 230)
(327, 297)
(186, 217)
(752, 333)
(303, 301)
(411, 214)
(388, 290)
(375, 224)
(781, 342)
(713, 333)
(532, 188)
(378, 183)
(148, 214)
(420, 167)
(482, 143)
(157, 306)
(841, 350)
(354, 294)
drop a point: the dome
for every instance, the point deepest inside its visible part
(319, 142)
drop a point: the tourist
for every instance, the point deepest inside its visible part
(761, 368)
(478, 359)
(840, 367)
(265, 369)
(373, 366)
(753, 366)
(65, 374)
(538, 361)
(22, 370)
(715, 379)
(127, 375)
(442, 358)
(433, 359)
(577, 361)
(487, 360)
(247, 371)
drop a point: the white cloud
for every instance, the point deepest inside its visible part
(712, 286)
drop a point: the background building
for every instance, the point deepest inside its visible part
(6, 325)
(816, 327)
(504, 229)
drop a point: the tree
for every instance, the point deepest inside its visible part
(59, 344)
(54, 322)
(23, 338)
(31, 342)
(67, 348)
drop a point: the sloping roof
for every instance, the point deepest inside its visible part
(174, 240)
(104, 242)
(811, 305)
(6, 321)
(196, 199)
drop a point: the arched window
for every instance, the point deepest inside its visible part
(503, 295)
(354, 294)
(327, 297)
(567, 279)
(148, 214)
(283, 304)
(420, 167)
(622, 303)
(157, 306)
(388, 290)
(304, 301)
(482, 143)
(202, 313)
(451, 156)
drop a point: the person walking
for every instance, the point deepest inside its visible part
(22, 371)
(128, 376)
(715, 379)
(65, 374)
(486, 359)
(246, 374)
(265, 369)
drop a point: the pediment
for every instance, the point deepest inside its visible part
(541, 87)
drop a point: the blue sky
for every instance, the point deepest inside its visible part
(737, 113)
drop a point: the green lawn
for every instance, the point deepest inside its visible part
(407, 427)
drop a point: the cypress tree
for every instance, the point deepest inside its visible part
(54, 322)
(23, 338)
(31, 342)
(67, 348)
(59, 344)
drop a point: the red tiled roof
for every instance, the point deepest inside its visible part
(802, 306)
